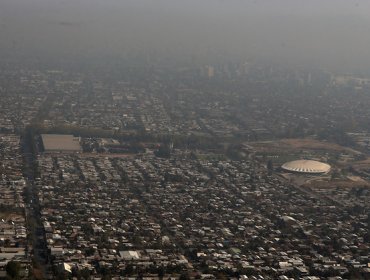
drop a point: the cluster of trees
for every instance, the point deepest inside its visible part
(336, 135)
(13, 270)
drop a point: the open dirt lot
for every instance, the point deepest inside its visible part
(300, 144)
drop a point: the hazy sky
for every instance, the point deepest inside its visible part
(326, 32)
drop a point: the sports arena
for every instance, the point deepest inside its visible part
(306, 167)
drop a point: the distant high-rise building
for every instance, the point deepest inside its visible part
(244, 69)
(309, 79)
(210, 71)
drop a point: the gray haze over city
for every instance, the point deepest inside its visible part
(325, 33)
(184, 139)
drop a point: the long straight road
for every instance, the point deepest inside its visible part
(34, 224)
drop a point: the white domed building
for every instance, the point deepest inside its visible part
(306, 167)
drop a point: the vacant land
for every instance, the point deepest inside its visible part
(10, 216)
(300, 144)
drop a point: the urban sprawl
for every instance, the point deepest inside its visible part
(174, 172)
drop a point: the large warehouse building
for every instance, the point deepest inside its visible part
(60, 143)
(306, 167)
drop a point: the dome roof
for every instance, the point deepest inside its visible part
(306, 166)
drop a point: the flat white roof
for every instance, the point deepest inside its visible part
(129, 255)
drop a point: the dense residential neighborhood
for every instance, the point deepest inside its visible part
(176, 174)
